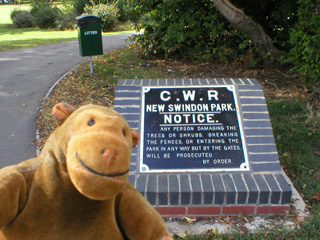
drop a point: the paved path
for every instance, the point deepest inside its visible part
(25, 77)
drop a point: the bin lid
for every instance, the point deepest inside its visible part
(85, 19)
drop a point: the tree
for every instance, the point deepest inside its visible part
(231, 30)
(248, 26)
(275, 16)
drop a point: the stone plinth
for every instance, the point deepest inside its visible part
(261, 187)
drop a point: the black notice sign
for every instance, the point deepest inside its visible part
(191, 129)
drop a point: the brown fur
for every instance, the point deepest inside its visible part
(54, 196)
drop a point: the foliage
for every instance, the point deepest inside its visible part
(192, 29)
(107, 12)
(67, 17)
(305, 38)
(14, 13)
(97, 2)
(126, 12)
(79, 5)
(67, 21)
(23, 19)
(276, 18)
(123, 10)
(46, 16)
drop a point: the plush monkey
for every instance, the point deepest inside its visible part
(77, 188)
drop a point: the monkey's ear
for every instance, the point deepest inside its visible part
(135, 137)
(61, 111)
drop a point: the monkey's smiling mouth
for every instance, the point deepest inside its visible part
(97, 173)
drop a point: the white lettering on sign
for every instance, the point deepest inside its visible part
(222, 107)
(221, 161)
(163, 97)
(213, 94)
(189, 95)
(155, 108)
(90, 33)
(188, 107)
(189, 118)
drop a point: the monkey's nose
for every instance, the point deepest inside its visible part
(107, 155)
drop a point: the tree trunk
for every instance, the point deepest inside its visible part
(246, 25)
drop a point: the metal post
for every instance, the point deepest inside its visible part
(91, 66)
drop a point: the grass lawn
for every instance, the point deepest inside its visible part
(13, 38)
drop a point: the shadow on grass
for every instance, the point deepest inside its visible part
(30, 37)
(17, 44)
(12, 30)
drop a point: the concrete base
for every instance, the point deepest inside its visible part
(183, 227)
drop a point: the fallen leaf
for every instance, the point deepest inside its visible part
(190, 220)
(299, 218)
(286, 154)
(228, 221)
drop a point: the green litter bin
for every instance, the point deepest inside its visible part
(89, 35)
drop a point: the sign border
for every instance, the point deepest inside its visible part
(244, 167)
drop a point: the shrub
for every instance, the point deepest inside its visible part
(126, 12)
(108, 14)
(305, 38)
(23, 19)
(14, 13)
(67, 21)
(192, 29)
(35, 9)
(45, 15)
(79, 6)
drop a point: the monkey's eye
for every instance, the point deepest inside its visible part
(91, 122)
(123, 132)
